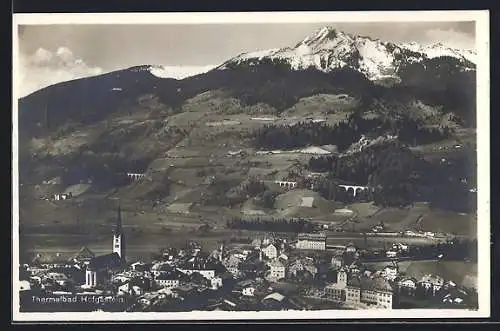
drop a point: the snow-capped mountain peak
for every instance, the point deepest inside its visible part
(440, 49)
(328, 49)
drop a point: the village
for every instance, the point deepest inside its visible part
(270, 273)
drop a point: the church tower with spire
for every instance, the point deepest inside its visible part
(118, 238)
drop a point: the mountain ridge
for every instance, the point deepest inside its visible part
(327, 49)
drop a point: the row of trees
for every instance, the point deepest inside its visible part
(274, 225)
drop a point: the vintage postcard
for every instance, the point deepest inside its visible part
(223, 166)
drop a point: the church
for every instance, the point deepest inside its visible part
(100, 267)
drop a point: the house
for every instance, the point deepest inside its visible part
(310, 267)
(138, 266)
(295, 267)
(431, 283)
(390, 272)
(391, 253)
(63, 196)
(400, 247)
(232, 264)
(351, 248)
(169, 279)
(248, 291)
(283, 257)
(276, 271)
(449, 284)
(148, 298)
(51, 260)
(455, 296)
(128, 288)
(270, 251)
(198, 279)
(354, 268)
(58, 278)
(215, 283)
(257, 243)
(202, 266)
(407, 285)
(160, 268)
(337, 261)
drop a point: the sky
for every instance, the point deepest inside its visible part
(49, 54)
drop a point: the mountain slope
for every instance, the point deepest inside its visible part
(328, 61)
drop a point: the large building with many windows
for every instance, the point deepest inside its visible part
(313, 241)
(360, 292)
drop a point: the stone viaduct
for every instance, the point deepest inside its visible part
(356, 188)
(286, 184)
(135, 176)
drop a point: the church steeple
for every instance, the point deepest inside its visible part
(118, 225)
(118, 238)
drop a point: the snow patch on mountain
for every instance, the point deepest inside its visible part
(177, 72)
(439, 49)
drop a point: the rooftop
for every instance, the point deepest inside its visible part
(366, 283)
(275, 296)
(108, 261)
(312, 236)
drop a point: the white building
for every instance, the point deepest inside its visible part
(390, 273)
(313, 241)
(128, 289)
(248, 291)
(351, 248)
(168, 280)
(57, 277)
(270, 251)
(216, 283)
(277, 270)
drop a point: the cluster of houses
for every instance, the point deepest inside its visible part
(237, 277)
(362, 287)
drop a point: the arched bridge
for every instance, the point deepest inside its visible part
(355, 188)
(286, 184)
(135, 176)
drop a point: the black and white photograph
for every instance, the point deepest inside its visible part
(184, 166)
